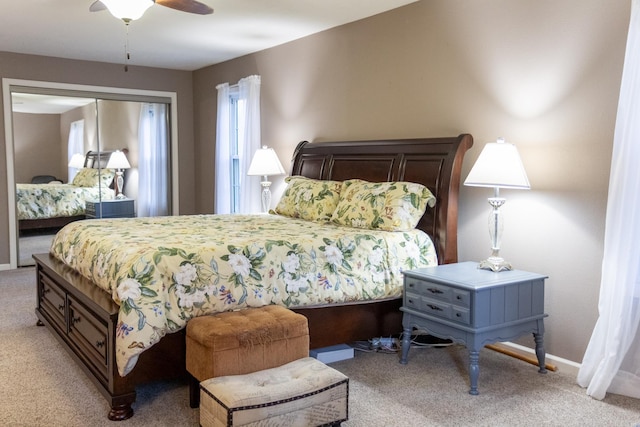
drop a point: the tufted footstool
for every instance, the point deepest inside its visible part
(305, 392)
(243, 341)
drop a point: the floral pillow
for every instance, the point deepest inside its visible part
(90, 177)
(309, 199)
(390, 206)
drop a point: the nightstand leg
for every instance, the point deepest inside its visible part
(540, 353)
(406, 344)
(474, 371)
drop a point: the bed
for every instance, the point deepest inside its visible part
(85, 318)
(55, 204)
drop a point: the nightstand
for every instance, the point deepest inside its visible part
(116, 208)
(474, 307)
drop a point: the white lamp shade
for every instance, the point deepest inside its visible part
(128, 10)
(499, 165)
(265, 162)
(77, 161)
(118, 160)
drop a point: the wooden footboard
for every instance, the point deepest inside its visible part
(84, 319)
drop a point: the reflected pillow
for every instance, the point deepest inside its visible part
(390, 206)
(90, 177)
(309, 199)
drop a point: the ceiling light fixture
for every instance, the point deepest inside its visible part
(128, 10)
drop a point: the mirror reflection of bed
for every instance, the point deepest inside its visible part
(44, 141)
(46, 204)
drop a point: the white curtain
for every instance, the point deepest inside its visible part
(75, 145)
(250, 189)
(223, 152)
(153, 161)
(612, 360)
(248, 143)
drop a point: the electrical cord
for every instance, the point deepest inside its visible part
(391, 345)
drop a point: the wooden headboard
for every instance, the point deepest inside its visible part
(433, 162)
(97, 159)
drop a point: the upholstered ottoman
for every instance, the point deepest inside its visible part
(305, 392)
(244, 341)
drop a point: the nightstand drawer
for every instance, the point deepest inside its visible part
(436, 308)
(461, 297)
(461, 315)
(429, 289)
(413, 301)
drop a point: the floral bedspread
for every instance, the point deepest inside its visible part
(164, 271)
(41, 201)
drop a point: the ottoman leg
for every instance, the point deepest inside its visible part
(194, 392)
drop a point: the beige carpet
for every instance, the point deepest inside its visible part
(40, 385)
(33, 243)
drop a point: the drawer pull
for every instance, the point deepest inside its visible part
(435, 290)
(411, 284)
(458, 315)
(458, 297)
(410, 301)
(46, 290)
(434, 307)
(75, 320)
(100, 344)
(61, 307)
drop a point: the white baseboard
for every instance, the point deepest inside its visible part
(5, 267)
(564, 365)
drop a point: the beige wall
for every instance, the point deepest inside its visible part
(543, 74)
(47, 69)
(37, 141)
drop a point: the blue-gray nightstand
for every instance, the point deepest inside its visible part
(474, 307)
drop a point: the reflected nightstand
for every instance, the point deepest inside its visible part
(116, 208)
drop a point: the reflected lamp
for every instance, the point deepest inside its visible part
(118, 161)
(498, 166)
(77, 161)
(265, 163)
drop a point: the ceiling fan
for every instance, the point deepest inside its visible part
(129, 10)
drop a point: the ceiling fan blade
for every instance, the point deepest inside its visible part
(190, 6)
(97, 6)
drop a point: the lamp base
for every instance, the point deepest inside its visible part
(494, 264)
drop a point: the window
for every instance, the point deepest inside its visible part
(237, 123)
(237, 138)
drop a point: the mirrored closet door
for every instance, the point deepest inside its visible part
(83, 156)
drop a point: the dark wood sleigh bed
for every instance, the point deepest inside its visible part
(83, 317)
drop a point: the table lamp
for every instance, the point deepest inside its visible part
(498, 166)
(77, 161)
(265, 163)
(118, 161)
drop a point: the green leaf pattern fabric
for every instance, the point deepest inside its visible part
(310, 199)
(391, 206)
(164, 271)
(42, 201)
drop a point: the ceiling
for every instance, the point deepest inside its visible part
(167, 38)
